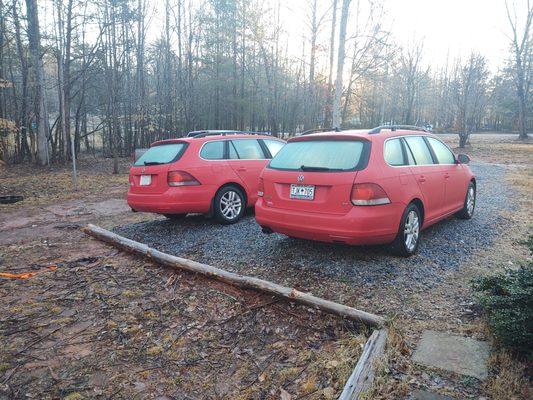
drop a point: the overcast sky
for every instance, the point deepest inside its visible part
(454, 26)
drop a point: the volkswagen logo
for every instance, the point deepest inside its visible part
(300, 178)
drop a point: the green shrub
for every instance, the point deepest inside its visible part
(507, 299)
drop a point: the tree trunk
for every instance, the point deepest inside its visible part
(329, 105)
(34, 38)
(340, 65)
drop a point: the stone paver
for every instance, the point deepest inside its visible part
(458, 354)
(424, 395)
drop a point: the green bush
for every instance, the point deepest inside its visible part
(507, 299)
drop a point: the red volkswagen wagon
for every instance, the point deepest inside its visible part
(364, 187)
(209, 174)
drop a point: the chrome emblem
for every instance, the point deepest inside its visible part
(142, 170)
(300, 178)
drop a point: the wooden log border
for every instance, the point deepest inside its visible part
(362, 377)
(231, 278)
(363, 374)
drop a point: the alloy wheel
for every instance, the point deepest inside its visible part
(470, 200)
(230, 204)
(411, 230)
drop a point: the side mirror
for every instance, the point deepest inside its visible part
(463, 159)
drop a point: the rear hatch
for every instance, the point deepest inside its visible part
(149, 173)
(315, 175)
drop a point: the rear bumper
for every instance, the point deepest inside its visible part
(361, 225)
(175, 200)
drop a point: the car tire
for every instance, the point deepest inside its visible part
(408, 237)
(175, 217)
(229, 205)
(467, 212)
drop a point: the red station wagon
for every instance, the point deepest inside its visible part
(364, 187)
(209, 174)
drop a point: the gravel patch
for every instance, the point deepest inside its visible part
(244, 249)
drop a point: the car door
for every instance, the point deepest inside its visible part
(247, 158)
(455, 182)
(429, 176)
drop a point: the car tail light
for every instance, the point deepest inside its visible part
(368, 194)
(261, 188)
(181, 178)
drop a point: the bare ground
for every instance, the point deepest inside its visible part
(105, 324)
(108, 325)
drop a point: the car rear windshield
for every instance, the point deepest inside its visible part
(319, 155)
(161, 154)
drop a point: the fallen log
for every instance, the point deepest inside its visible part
(363, 374)
(242, 281)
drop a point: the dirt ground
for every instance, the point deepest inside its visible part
(102, 324)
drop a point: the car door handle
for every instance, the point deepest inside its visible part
(241, 169)
(446, 176)
(421, 178)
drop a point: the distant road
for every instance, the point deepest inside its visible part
(483, 136)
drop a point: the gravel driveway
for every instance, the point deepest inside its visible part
(243, 248)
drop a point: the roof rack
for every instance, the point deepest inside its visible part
(316, 130)
(204, 133)
(396, 127)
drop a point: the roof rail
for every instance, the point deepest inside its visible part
(316, 130)
(201, 134)
(396, 127)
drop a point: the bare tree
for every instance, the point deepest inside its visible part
(470, 86)
(521, 47)
(34, 37)
(411, 73)
(336, 122)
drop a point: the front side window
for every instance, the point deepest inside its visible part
(319, 155)
(248, 149)
(443, 153)
(161, 154)
(419, 149)
(393, 152)
(273, 146)
(213, 150)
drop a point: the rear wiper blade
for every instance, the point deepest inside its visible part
(152, 163)
(310, 168)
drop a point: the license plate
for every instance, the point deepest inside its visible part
(303, 192)
(145, 180)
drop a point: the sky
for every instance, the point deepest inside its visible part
(454, 27)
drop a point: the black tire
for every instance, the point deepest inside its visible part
(229, 205)
(467, 212)
(401, 245)
(175, 217)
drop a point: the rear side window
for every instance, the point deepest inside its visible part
(442, 152)
(248, 149)
(393, 152)
(419, 149)
(162, 154)
(335, 155)
(273, 146)
(213, 150)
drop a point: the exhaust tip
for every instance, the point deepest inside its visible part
(266, 231)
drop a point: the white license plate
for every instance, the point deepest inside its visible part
(145, 180)
(303, 192)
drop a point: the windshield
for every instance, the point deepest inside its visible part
(162, 154)
(319, 155)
